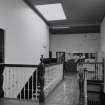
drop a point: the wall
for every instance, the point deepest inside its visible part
(27, 36)
(102, 40)
(102, 43)
(75, 43)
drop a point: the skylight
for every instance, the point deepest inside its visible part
(52, 11)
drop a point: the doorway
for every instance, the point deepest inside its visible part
(1, 61)
(1, 46)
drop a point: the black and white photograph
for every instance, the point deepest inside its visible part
(52, 52)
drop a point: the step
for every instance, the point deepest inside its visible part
(94, 88)
(94, 96)
(96, 82)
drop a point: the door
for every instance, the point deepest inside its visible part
(1, 46)
(1, 61)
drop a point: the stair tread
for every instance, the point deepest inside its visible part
(95, 81)
(98, 92)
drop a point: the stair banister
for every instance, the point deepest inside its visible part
(85, 86)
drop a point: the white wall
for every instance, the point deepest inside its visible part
(102, 43)
(75, 43)
(27, 36)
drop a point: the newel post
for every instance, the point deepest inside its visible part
(1, 80)
(41, 79)
(103, 67)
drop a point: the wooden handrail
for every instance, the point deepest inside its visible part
(18, 65)
(91, 63)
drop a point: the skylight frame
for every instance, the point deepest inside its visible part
(52, 12)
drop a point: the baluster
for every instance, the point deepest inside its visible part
(95, 65)
(32, 85)
(13, 84)
(93, 71)
(36, 83)
(96, 71)
(91, 102)
(28, 89)
(91, 74)
(103, 68)
(20, 74)
(98, 68)
(24, 90)
(17, 78)
(102, 72)
(9, 87)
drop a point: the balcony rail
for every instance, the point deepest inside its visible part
(29, 82)
(91, 72)
(53, 75)
(20, 81)
(95, 70)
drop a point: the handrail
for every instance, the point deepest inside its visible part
(91, 63)
(27, 65)
(18, 65)
(95, 70)
(53, 76)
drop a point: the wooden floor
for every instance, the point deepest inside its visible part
(66, 93)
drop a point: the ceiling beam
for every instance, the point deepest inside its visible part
(76, 30)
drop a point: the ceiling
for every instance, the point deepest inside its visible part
(78, 12)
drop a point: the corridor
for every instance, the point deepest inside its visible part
(66, 93)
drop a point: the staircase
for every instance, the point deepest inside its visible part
(93, 73)
(19, 81)
(29, 89)
(94, 91)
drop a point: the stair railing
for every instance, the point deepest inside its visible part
(20, 81)
(83, 86)
(95, 70)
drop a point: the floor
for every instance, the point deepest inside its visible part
(66, 93)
